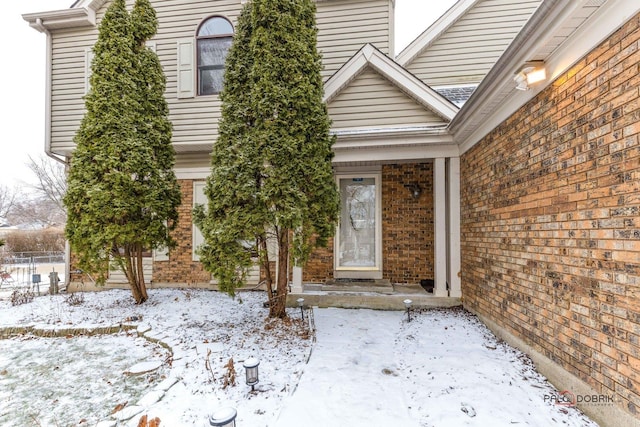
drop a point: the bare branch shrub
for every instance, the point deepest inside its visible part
(49, 240)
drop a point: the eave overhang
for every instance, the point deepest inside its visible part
(61, 19)
(558, 33)
(379, 145)
(81, 14)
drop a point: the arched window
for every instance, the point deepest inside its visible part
(213, 40)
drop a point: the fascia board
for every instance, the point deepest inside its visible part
(593, 32)
(409, 153)
(192, 173)
(383, 139)
(96, 4)
(89, 4)
(81, 14)
(548, 16)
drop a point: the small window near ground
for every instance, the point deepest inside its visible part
(213, 42)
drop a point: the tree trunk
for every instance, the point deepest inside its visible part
(278, 307)
(133, 272)
(264, 260)
(142, 287)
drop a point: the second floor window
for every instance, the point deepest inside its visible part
(213, 42)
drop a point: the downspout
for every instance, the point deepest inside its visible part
(48, 78)
(47, 127)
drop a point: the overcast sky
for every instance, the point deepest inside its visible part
(22, 76)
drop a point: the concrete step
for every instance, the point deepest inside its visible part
(368, 300)
(381, 295)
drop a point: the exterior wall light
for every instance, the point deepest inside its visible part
(301, 305)
(531, 73)
(414, 189)
(223, 417)
(251, 371)
(407, 304)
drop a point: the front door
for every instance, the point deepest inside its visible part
(358, 243)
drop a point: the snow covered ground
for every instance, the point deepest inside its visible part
(365, 368)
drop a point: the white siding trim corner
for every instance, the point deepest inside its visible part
(199, 198)
(88, 59)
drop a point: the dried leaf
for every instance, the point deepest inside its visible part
(119, 407)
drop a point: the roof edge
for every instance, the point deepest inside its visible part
(516, 54)
(611, 15)
(65, 18)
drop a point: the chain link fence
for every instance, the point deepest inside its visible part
(29, 269)
(26, 258)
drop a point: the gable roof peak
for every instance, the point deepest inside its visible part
(370, 56)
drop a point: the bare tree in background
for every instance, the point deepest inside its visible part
(41, 207)
(39, 214)
(36, 213)
(52, 180)
(8, 200)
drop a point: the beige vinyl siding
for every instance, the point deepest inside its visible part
(193, 160)
(344, 26)
(195, 120)
(68, 85)
(117, 276)
(370, 100)
(471, 46)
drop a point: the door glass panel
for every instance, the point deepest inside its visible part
(357, 223)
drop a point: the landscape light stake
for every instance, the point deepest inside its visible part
(251, 371)
(301, 305)
(407, 304)
(223, 417)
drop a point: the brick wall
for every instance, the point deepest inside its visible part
(320, 265)
(407, 228)
(181, 269)
(407, 223)
(551, 221)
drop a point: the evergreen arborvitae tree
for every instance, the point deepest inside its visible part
(122, 194)
(271, 184)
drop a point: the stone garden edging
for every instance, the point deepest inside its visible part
(142, 330)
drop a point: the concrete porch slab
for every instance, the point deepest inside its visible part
(351, 285)
(377, 296)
